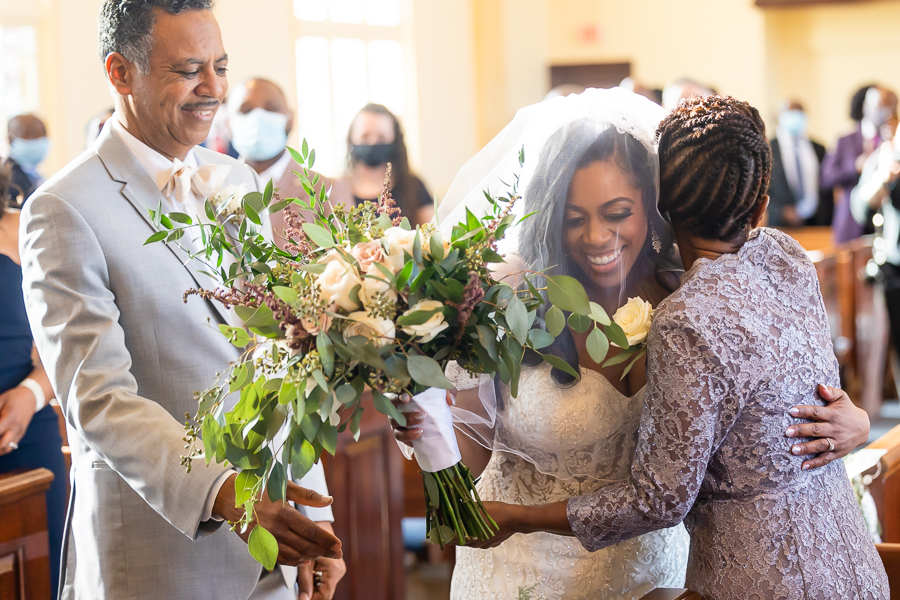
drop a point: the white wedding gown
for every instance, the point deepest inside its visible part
(588, 428)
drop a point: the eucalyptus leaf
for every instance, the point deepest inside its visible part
(319, 235)
(263, 547)
(567, 293)
(598, 314)
(580, 323)
(303, 456)
(386, 407)
(538, 338)
(277, 483)
(560, 364)
(517, 318)
(597, 345)
(555, 321)
(616, 335)
(427, 372)
(156, 237)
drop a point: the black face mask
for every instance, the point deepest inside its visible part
(374, 154)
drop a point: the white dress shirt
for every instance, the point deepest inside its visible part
(277, 170)
(793, 147)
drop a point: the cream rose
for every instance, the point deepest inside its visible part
(331, 256)
(230, 194)
(428, 330)
(375, 283)
(397, 241)
(367, 253)
(380, 331)
(634, 318)
(336, 282)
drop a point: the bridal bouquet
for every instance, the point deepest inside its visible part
(357, 300)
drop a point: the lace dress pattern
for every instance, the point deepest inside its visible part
(573, 426)
(743, 340)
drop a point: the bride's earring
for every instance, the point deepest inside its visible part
(657, 245)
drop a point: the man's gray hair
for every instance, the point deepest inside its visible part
(126, 26)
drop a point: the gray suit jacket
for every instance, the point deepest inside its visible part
(124, 355)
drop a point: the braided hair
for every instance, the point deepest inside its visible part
(715, 163)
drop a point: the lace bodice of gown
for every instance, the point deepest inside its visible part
(589, 429)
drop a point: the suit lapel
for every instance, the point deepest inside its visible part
(142, 193)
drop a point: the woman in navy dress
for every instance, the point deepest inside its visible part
(29, 435)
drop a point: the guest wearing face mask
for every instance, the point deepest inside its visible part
(375, 139)
(260, 122)
(795, 197)
(28, 145)
(873, 107)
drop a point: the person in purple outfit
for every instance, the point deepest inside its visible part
(872, 107)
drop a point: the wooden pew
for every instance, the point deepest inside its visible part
(885, 487)
(24, 545)
(890, 556)
(366, 480)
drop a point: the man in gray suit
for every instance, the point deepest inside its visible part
(125, 354)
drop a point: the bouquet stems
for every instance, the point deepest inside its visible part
(453, 508)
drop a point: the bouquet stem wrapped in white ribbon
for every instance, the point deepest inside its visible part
(453, 507)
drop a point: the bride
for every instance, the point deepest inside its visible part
(591, 175)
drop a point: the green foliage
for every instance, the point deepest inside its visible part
(307, 355)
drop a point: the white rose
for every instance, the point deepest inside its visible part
(428, 330)
(396, 241)
(375, 283)
(230, 194)
(634, 318)
(336, 282)
(380, 331)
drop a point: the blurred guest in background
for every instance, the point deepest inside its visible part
(260, 121)
(95, 126)
(375, 139)
(795, 197)
(873, 107)
(29, 428)
(878, 189)
(28, 145)
(683, 88)
(633, 85)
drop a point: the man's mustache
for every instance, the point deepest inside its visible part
(202, 105)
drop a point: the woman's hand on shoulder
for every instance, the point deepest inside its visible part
(840, 427)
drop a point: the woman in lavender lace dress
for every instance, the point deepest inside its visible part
(743, 339)
(591, 173)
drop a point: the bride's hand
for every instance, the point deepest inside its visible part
(508, 517)
(410, 432)
(839, 422)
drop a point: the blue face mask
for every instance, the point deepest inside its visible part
(259, 134)
(793, 121)
(29, 153)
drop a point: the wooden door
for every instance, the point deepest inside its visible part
(366, 480)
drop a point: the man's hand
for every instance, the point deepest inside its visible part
(16, 411)
(318, 579)
(299, 539)
(839, 422)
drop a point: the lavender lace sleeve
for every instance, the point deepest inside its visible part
(685, 386)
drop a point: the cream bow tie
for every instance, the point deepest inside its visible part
(203, 181)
